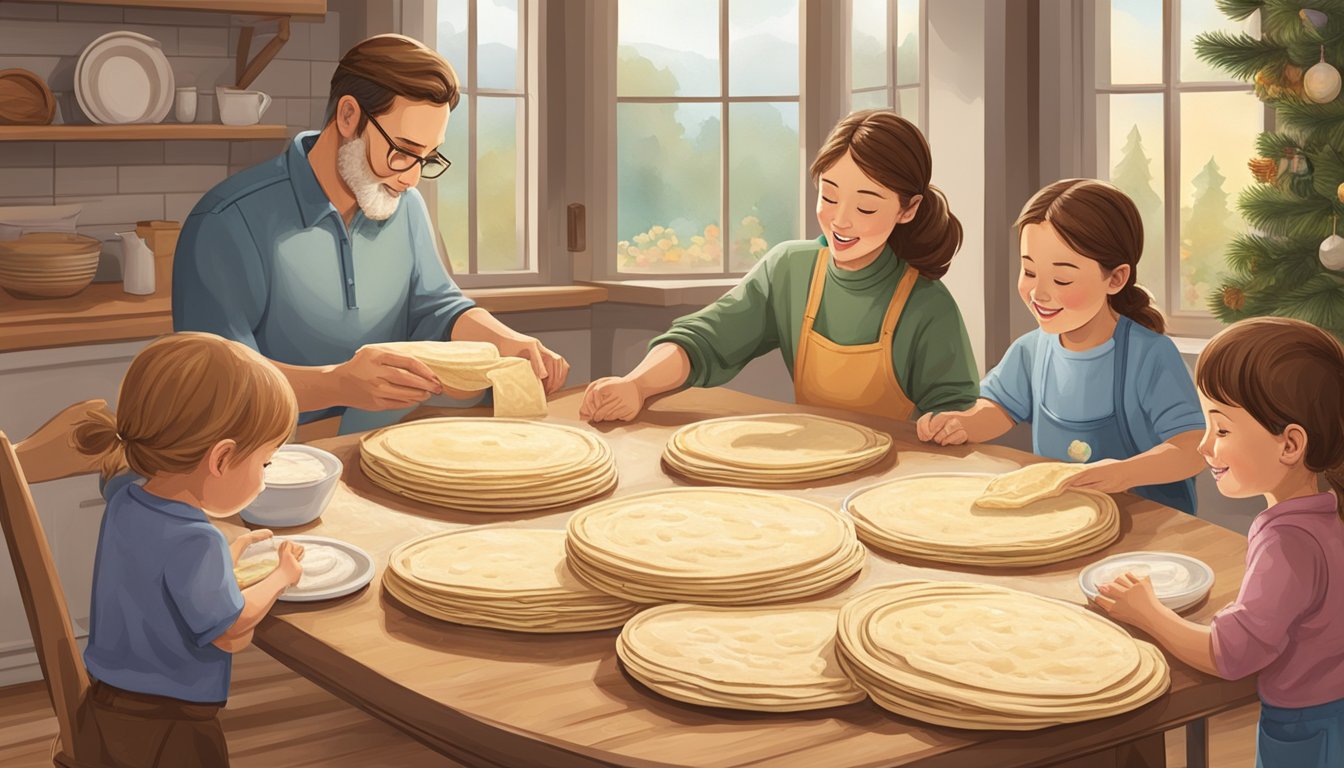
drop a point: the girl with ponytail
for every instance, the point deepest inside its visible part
(1273, 391)
(859, 314)
(1098, 380)
(198, 418)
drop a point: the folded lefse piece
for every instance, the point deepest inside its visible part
(1031, 483)
(472, 366)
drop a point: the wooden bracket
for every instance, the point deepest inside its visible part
(247, 71)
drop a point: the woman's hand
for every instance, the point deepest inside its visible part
(946, 428)
(1131, 600)
(614, 398)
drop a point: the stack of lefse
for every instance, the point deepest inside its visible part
(754, 659)
(982, 657)
(713, 546)
(488, 465)
(513, 579)
(1017, 520)
(773, 449)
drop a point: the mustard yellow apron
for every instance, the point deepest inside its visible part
(856, 377)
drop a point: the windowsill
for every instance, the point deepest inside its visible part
(536, 297)
(1190, 345)
(666, 293)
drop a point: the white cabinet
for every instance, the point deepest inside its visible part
(34, 386)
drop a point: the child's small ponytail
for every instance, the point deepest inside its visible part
(97, 435)
(1335, 477)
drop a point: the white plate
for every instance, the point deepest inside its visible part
(363, 571)
(1201, 575)
(123, 77)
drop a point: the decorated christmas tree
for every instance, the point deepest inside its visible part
(1292, 263)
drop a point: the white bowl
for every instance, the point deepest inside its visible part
(1177, 599)
(291, 504)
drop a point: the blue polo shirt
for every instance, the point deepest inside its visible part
(163, 591)
(265, 259)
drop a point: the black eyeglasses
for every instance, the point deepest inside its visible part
(401, 160)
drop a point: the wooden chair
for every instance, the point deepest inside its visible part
(48, 618)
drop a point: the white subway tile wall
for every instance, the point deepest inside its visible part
(119, 183)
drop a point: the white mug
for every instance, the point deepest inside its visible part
(240, 107)
(186, 104)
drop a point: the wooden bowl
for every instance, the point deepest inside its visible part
(43, 265)
(25, 99)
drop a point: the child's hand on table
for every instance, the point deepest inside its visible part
(1106, 475)
(1130, 599)
(290, 555)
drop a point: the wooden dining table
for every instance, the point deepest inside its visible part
(484, 697)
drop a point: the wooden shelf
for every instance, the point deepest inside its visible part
(256, 7)
(144, 132)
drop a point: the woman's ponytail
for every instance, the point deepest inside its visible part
(931, 238)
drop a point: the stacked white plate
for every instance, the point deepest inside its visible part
(1180, 581)
(503, 578)
(123, 77)
(989, 658)
(754, 659)
(717, 546)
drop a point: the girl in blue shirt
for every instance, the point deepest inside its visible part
(1098, 379)
(198, 417)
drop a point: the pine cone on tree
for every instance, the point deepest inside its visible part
(1265, 170)
(1234, 298)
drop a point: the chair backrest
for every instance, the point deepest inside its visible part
(43, 600)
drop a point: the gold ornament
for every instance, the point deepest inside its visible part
(1234, 298)
(1264, 170)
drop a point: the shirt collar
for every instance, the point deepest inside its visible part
(1316, 504)
(313, 202)
(166, 506)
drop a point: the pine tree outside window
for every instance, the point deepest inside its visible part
(1174, 133)
(887, 58)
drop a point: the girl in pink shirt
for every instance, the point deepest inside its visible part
(1272, 390)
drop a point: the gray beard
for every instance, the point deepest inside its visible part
(353, 166)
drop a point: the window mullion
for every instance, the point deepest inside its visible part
(473, 115)
(723, 138)
(1172, 156)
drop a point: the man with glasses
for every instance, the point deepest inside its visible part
(312, 256)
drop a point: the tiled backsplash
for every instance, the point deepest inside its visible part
(121, 182)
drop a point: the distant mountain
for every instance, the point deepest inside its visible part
(753, 60)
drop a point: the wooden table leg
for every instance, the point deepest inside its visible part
(1144, 752)
(1197, 743)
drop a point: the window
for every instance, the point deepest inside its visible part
(1175, 134)
(886, 58)
(707, 133)
(483, 204)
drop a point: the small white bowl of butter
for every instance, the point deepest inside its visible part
(1180, 581)
(300, 481)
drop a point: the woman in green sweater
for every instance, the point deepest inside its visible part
(859, 315)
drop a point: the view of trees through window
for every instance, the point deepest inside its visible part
(676, 181)
(493, 108)
(886, 75)
(1219, 120)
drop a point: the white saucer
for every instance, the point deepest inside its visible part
(1177, 599)
(363, 571)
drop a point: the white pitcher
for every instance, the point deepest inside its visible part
(137, 264)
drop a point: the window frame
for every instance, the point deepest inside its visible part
(893, 90)
(420, 20)
(610, 269)
(1185, 322)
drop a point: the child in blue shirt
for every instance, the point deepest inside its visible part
(198, 417)
(1098, 379)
